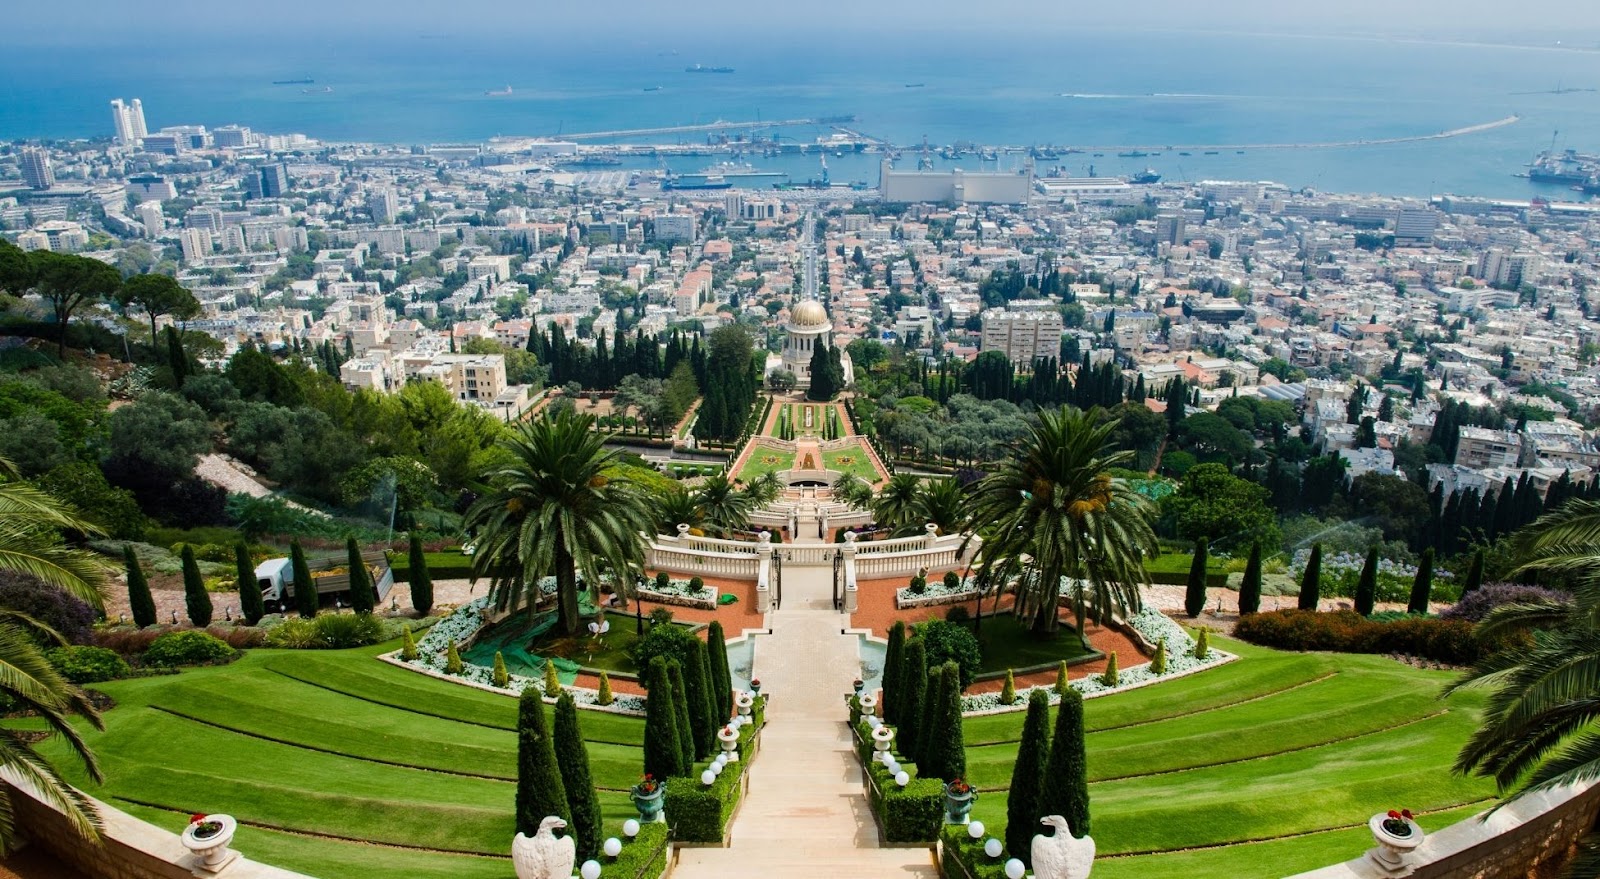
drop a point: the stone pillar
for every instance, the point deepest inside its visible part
(932, 533)
(683, 532)
(850, 597)
(764, 572)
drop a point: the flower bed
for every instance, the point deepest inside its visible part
(1151, 625)
(936, 593)
(680, 593)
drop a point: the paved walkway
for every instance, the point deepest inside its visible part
(805, 814)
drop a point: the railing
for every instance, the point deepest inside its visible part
(895, 564)
(808, 554)
(744, 566)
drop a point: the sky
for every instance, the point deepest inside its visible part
(104, 22)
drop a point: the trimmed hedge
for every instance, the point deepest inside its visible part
(88, 665)
(697, 813)
(188, 648)
(643, 857)
(1448, 641)
(962, 856)
(1165, 578)
(913, 813)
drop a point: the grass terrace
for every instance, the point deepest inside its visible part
(765, 459)
(851, 459)
(1007, 643)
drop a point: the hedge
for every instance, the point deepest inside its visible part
(1166, 578)
(913, 813)
(697, 813)
(961, 856)
(643, 857)
(1448, 641)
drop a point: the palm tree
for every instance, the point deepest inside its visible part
(30, 544)
(1537, 730)
(722, 506)
(764, 489)
(942, 502)
(676, 507)
(1054, 501)
(852, 491)
(895, 507)
(552, 510)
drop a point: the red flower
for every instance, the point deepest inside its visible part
(196, 818)
(1406, 814)
(1393, 814)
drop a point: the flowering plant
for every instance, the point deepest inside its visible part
(1398, 822)
(648, 784)
(203, 825)
(958, 787)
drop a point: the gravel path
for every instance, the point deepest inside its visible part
(234, 477)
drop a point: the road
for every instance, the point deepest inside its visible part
(808, 259)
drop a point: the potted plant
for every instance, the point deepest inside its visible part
(858, 686)
(208, 837)
(1397, 835)
(958, 799)
(755, 687)
(728, 736)
(745, 702)
(881, 737)
(649, 798)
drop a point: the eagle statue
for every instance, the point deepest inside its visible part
(1061, 856)
(544, 855)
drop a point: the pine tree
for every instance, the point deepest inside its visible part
(1367, 585)
(499, 677)
(1110, 676)
(892, 661)
(680, 707)
(361, 597)
(1022, 802)
(697, 687)
(721, 675)
(421, 578)
(583, 802)
(249, 590)
(914, 686)
(195, 598)
(139, 601)
(1194, 600)
(1422, 585)
(1474, 574)
(663, 754)
(305, 589)
(540, 792)
(1250, 587)
(1065, 788)
(1311, 579)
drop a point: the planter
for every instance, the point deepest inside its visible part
(958, 806)
(744, 703)
(869, 705)
(882, 737)
(212, 849)
(1390, 852)
(651, 805)
(728, 737)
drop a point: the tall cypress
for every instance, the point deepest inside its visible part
(1474, 574)
(892, 660)
(1022, 802)
(721, 675)
(914, 686)
(305, 589)
(361, 597)
(1367, 586)
(540, 792)
(680, 707)
(249, 589)
(177, 360)
(195, 598)
(950, 753)
(1250, 588)
(1311, 579)
(930, 744)
(139, 600)
(583, 802)
(663, 754)
(1065, 789)
(1194, 599)
(697, 687)
(1422, 585)
(421, 578)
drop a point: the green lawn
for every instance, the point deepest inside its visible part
(1263, 767)
(336, 744)
(765, 459)
(1008, 644)
(851, 459)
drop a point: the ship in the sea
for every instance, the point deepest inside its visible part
(652, 88)
(596, 161)
(499, 93)
(325, 90)
(1145, 177)
(725, 175)
(306, 81)
(1568, 167)
(701, 68)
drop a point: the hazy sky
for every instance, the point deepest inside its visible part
(719, 21)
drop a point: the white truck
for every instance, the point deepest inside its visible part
(276, 578)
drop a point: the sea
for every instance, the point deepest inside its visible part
(1098, 91)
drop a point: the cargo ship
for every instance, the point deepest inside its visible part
(1147, 176)
(1568, 167)
(724, 176)
(701, 68)
(307, 81)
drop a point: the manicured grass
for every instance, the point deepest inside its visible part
(1008, 644)
(1267, 766)
(851, 459)
(765, 459)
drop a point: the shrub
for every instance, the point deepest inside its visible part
(957, 613)
(673, 642)
(408, 645)
(1450, 641)
(696, 584)
(948, 642)
(919, 585)
(663, 581)
(1061, 678)
(1158, 663)
(1475, 605)
(72, 618)
(660, 617)
(1109, 676)
(1202, 644)
(452, 659)
(1008, 690)
(952, 581)
(87, 665)
(604, 697)
(238, 637)
(341, 630)
(188, 648)
(913, 813)
(295, 634)
(500, 678)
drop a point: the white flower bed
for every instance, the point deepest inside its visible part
(1154, 627)
(936, 593)
(460, 627)
(681, 593)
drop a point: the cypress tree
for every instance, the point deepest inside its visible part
(583, 803)
(552, 680)
(1008, 691)
(139, 600)
(195, 598)
(177, 360)
(305, 590)
(697, 686)
(721, 675)
(914, 689)
(1311, 580)
(1194, 600)
(944, 752)
(1202, 644)
(1250, 589)
(929, 745)
(540, 792)
(1474, 574)
(1022, 803)
(361, 597)
(663, 755)
(1158, 663)
(249, 590)
(1062, 678)
(604, 696)
(1422, 585)
(1065, 787)
(892, 660)
(421, 578)
(1367, 586)
(680, 718)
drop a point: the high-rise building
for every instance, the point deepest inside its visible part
(1023, 336)
(36, 169)
(127, 120)
(1415, 226)
(1171, 227)
(150, 215)
(136, 118)
(196, 245)
(383, 205)
(268, 181)
(231, 137)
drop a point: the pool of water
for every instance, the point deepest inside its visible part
(741, 662)
(872, 654)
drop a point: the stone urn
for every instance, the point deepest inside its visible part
(958, 799)
(208, 837)
(728, 737)
(882, 738)
(744, 703)
(869, 705)
(650, 802)
(1396, 837)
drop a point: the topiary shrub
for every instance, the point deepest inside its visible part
(71, 617)
(604, 696)
(1158, 662)
(1062, 685)
(662, 581)
(1202, 644)
(957, 613)
(696, 585)
(552, 681)
(1475, 605)
(948, 642)
(452, 659)
(188, 648)
(1008, 690)
(1109, 676)
(408, 645)
(952, 581)
(499, 677)
(918, 585)
(88, 665)
(1449, 641)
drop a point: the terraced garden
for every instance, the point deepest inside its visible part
(852, 459)
(1263, 767)
(322, 755)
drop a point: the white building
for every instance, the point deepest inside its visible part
(807, 329)
(1023, 336)
(196, 245)
(127, 120)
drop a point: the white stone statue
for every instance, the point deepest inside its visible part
(544, 855)
(1061, 856)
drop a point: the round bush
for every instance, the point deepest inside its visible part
(948, 642)
(72, 618)
(957, 613)
(342, 630)
(952, 581)
(187, 648)
(1475, 605)
(87, 665)
(672, 642)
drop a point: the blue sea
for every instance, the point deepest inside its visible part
(1102, 87)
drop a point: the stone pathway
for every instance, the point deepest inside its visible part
(805, 814)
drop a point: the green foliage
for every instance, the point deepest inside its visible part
(1110, 676)
(604, 695)
(1474, 577)
(1367, 586)
(421, 579)
(944, 752)
(452, 659)
(1448, 641)
(540, 789)
(156, 440)
(680, 704)
(1158, 662)
(195, 598)
(673, 642)
(948, 642)
(1062, 684)
(552, 682)
(909, 814)
(663, 753)
(918, 585)
(187, 648)
(361, 595)
(1214, 504)
(698, 813)
(328, 632)
(249, 590)
(1311, 580)
(408, 645)
(1250, 586)
(84, 486)
(721, 675)
(913, 687)
(1194, 600)
(583, 801)
(1202, 644)
(952, 580)
(1422, 585)
(499, 677)
(305, 589)
(703, 722)
(140, 602)
(1033, 755)
(1008, 690)
(87, 665)
(1065, 787)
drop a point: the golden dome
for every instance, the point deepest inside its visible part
(809, 315)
